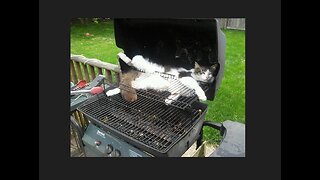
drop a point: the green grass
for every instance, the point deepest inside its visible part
(100, 46)
(229, 103)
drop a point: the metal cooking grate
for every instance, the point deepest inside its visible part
(152, 124)
(186, 95)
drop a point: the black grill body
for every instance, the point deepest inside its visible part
(159, 129)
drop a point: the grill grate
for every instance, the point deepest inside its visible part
(151, 123)
(186, 95)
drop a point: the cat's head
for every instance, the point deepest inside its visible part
(204, 73)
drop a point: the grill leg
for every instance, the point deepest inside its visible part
(199, 141)
(79, 133)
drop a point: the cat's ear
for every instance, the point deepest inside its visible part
(214, 67)
(197, 68)
(196, 65)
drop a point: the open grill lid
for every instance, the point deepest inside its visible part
(174, 42)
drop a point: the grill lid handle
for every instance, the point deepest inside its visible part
(233, 138)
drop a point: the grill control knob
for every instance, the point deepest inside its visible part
(97, 143)
(115, 153)
(109, 148)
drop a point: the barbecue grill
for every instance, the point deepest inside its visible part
(160, 129)
(150, 127)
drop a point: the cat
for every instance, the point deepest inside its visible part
(149, 80)
(199, 73)
(188, 78)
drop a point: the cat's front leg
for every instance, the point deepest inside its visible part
(193, 84)
(201, 94)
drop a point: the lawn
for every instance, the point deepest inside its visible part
(229, 103)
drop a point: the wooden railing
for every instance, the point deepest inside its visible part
(82, 68)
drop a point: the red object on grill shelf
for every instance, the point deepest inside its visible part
(94, 90)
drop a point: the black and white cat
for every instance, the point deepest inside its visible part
(150, 80)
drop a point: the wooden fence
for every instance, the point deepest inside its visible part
(232, 23)
(225, 23)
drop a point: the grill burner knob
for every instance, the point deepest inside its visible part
(115, 153)
(97, 143)
(109, 148)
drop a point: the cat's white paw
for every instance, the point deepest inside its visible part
(172, 98)
(202, 96)
(168, 101)
(113, 92)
